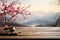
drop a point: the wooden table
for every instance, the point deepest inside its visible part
(34, 32)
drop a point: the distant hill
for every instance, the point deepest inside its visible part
(48, 25)
(48, 21)
(14, 24)
(36, 22)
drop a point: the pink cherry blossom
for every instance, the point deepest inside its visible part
(13, 8)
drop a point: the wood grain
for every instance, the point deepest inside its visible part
(34, 32)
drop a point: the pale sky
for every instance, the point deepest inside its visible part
(43, 5)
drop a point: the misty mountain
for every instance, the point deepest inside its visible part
(42, 19)
(38, 22)
(13, 24)
(51, 19)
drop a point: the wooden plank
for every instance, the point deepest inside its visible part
(40, 33)
(27, 37)
(35, 32)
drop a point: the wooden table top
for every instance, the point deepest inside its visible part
(34, 32)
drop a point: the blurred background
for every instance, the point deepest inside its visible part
(44, 13)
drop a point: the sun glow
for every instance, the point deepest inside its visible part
(45, 5)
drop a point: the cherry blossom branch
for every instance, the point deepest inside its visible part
(11, 9)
